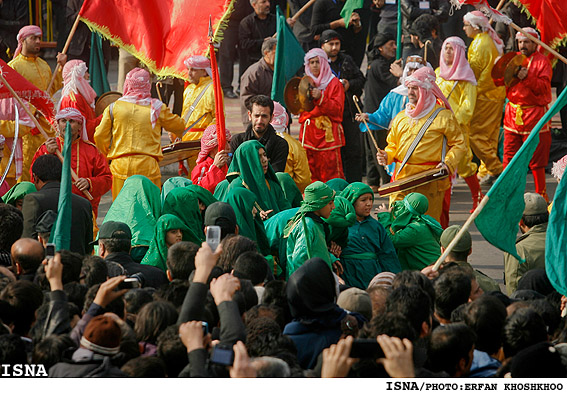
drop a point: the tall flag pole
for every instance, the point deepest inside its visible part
(219, 106)
(399, 31)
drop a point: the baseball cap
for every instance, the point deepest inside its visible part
(113, 230)
(464, 244)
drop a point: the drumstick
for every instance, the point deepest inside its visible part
(355, 99)
(303, 9)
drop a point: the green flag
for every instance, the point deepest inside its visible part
(348, 9)
(61, 232)
(556, 240)
(97, 71)
(498, 221)
(289, 57)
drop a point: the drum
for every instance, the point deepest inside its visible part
(412, 181)
(105, 100)
(178, 151)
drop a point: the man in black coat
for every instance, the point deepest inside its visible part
(46, 175)
(260, 112)
(344, 68)
(114, 240)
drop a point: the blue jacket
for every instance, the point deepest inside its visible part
(392, 104)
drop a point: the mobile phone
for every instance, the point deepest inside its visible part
(366, 348)
(213, 237)
(205, 328)
(49, 251)
(222, 355)
(129, 283)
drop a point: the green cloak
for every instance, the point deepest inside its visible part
(221, 190)
(337, 184)
(184, 204)
(173, 183)
(157, 253)
(290, 189)
(342, 217)
(17, 192)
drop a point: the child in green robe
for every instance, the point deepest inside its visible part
(169, 230)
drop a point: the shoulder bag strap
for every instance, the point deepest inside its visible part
(194, 105)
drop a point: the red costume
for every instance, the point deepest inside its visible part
(207, 175)
(77, 101)
(88, 163)
(323, 137)
(528, 102)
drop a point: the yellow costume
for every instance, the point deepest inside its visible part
(204, 110)
(297, 165)
(427, 153)
(462, 99)
(487, 116)
(131, 143)
(38, 72)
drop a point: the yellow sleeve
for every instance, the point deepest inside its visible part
(58, 82)
(297, 164)
(475, 58)
(455, 140)
(467, 100)
(171, 122)
(8, 129)
(393, 138)
(103, 133)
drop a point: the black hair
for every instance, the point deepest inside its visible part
(246, 297)
(152, 319)
(393, 324)
(145, 367)
(173, 292)
(93, 270)
(72, 263)
(415, 278)
(12, 227)
(533, 220)
(26, 297)
(550, 313)
(262, 337)
(232, 247)
(525, 327)
(486, 316)
(113, 245)
(423, 27)
(252, 266)
(12, 350)
(135, 299)
(452, 288)
(116, 306)
(260, 100)
(275, 294)
(181, 259)
(411, 302)
(76, 293)
(458, 256)
(172, 351)
(51, 349)
(47, 168)
(273, 312)
(448, 345)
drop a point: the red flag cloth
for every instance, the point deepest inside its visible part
(160, 33)
(27, 92)
(550, 17)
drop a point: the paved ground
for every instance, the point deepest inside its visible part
(485, 257)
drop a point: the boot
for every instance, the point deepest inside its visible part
(476, 193)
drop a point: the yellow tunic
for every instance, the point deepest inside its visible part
(131, 143)
(37, 71)
(462, 98)
(487, 116)
(205, 106)
(427, 153)
(297, 165)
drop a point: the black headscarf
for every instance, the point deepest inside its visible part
(311, 292)
(536, 280)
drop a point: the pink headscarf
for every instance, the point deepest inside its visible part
(209, 141)
(460, 70)
(529, 30)
(558, 168)
(25, 32)
(280, 119)
(75, 114)
(325, 75)
(137, 86)
(429, 92)
(199, 63)
(480, 22)
(411, 64)
(74, 81)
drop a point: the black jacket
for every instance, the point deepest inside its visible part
(47, 198)
(411, 11)
(251, 34)
(153, 276)
(379, 81)
(276, 147)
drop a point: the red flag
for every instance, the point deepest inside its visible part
(27, 92)
(550, 17)
(219, 107)
(160, 33)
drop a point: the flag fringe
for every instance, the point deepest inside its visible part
(524, 10)
(221, 25)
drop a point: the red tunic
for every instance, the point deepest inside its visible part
(530, 96)
(90, 164)
(321, 140)
(207, 175)
(77, 101)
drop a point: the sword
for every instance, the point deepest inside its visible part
(13, 153)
